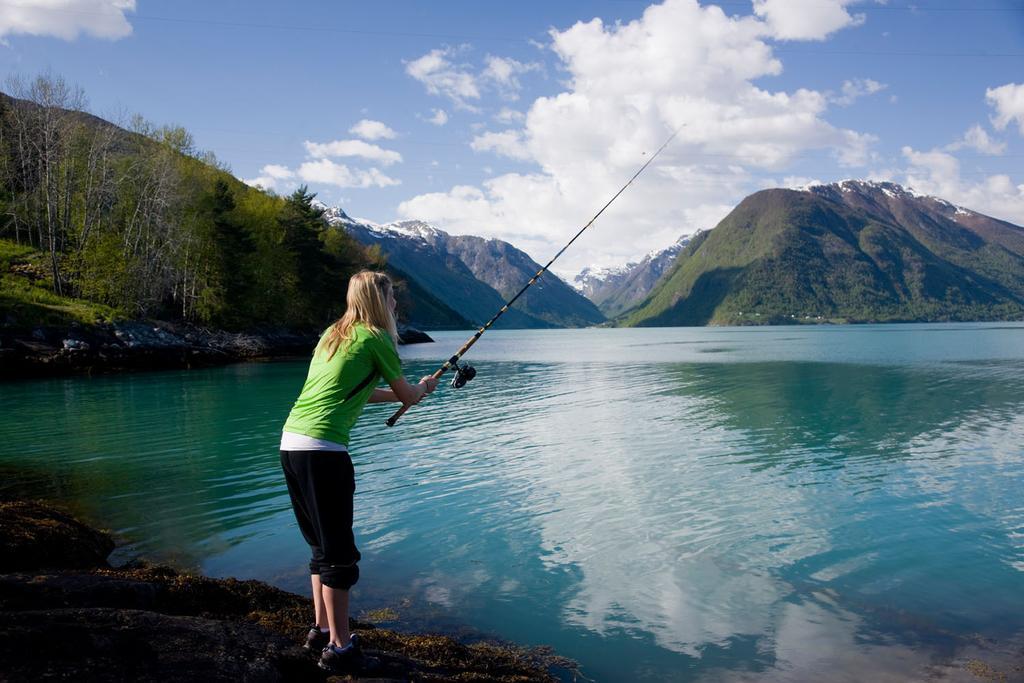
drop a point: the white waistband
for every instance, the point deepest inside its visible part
(301, 442)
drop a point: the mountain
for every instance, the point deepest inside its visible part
(472, 275)
(853, 251)
(615, 290)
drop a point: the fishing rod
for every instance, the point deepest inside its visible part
(466, 372)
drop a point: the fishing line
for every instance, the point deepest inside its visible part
(464, 373)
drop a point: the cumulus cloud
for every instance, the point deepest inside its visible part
(439, 117)
(937, 173)
(441, 77)
(627, 87)
(853, 90)
(271, 177)
(369, 129)
(328, 172)
(977, 138)
(805, 19)
(504, 73)
(507, 143)
(320, 169)
(506, 115)
(352, 148)
(1008, 101)
(67, 19)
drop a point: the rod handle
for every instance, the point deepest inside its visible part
(398, 413)
(405, 406)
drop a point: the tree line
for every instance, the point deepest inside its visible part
(137, 218)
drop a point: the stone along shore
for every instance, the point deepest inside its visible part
(66, 614)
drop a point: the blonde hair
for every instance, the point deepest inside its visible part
(366, 303)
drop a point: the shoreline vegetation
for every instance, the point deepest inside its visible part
(65, 612)
(103, 223)
(73, 349)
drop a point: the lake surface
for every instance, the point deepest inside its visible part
(706, 504)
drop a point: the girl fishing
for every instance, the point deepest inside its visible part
(352, 356)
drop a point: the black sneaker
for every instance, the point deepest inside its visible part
(343, 660)
(317, 640)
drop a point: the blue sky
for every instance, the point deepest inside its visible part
(519, 120)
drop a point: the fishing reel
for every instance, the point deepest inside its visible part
(463, 373)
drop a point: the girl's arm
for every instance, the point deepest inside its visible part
(382, 396)
(402, 391)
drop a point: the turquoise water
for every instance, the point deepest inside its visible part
(795, 503)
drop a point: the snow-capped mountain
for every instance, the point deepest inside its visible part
(618, 288)
(473, 275)
(858, 251)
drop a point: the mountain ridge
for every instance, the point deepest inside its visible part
(473, 275)
(617, 289)
(855, 251)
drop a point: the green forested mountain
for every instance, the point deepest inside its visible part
(139, 223)
(853, 251)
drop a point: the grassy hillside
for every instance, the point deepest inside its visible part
(26, 294)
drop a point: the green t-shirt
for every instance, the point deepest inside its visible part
(322, 410)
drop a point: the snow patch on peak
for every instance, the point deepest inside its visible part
(414, 229)
(603, 272)
(889, 189)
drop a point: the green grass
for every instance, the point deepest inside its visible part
(27, 299)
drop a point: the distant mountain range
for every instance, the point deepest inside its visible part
(472, 276)
(616, 290)
(853, 251)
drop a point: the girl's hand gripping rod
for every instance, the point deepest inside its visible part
(466, 373)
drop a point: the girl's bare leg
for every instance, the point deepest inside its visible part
(318, 601)
(336, 606)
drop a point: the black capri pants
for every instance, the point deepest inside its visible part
(321, 485)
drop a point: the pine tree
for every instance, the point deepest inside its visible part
(232, 249)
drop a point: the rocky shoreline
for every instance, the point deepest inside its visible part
(146, 345)
(66, 614)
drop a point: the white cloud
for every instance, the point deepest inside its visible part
(1008, 101)
(272, 176)
(628, 86)
(439, 118)
(977, 138)
(504, 73)
(329, 172)
(441, 77)
(805, 19)
(278, 177)
(352, 148)
(507, 115)
(938, 173)
(853, 90)
(67, 19)
(262, 181)
(278, 172)
(507, 143)
(369, 129)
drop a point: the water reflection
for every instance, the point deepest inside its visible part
(663, 518)
(702, 516)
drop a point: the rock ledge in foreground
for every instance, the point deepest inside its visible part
(149, 623)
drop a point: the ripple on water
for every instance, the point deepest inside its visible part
(712, 506)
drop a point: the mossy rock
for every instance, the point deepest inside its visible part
(35, 536)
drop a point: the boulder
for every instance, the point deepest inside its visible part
(410, 335)
(34, 536)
